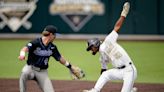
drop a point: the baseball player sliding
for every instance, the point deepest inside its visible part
(111, 51)
(39, 51)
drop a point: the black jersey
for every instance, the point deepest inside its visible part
(39, 54)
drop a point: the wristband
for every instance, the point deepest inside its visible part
(22, 53)
(68, 65)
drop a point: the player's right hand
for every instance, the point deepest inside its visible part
(21, 58)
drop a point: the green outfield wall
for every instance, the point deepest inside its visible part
(81, 16)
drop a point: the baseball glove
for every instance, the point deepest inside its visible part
(76, 73)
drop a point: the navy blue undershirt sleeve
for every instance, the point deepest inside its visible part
(56, 54)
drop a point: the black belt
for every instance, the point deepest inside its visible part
(122, 67)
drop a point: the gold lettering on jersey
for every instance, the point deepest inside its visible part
(109, 47)
(117, 55)
(112, 51)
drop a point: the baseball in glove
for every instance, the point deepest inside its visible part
(76, 73)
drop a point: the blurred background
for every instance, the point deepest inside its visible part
(81, 16)
(142, 33)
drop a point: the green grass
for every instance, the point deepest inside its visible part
(147, 56)
(149, 60)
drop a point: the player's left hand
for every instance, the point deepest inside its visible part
(21, 58)
(76, 73)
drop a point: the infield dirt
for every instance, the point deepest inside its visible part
(12, 85)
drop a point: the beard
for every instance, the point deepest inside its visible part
(94, 53)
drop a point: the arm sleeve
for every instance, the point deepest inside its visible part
(112, 37)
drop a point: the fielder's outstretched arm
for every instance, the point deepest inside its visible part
(119, 23)
(124, 13)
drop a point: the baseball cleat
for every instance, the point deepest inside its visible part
(125, 10)
(85, 91)
(134, 89)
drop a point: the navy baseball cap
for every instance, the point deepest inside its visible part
(50, 28)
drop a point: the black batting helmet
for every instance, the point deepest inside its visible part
(93, 42)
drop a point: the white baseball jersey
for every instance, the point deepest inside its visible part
(111, 51)
(124, 69)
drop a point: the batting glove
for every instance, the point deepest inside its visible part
(125, 9)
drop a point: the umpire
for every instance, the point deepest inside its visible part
(39, 51)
